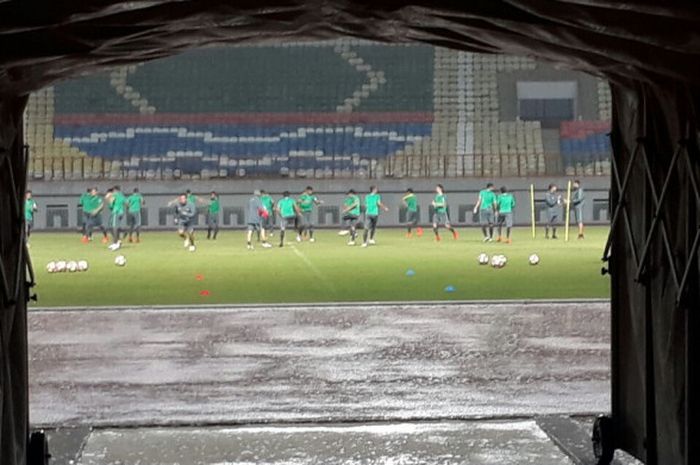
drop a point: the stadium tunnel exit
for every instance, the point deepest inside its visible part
(649, 51)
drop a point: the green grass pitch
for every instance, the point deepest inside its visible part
(160, 271)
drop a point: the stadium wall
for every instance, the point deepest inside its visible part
(58, 202)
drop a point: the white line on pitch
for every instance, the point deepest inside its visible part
(314, 269)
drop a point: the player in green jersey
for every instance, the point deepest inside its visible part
(440, 213)
(117, 206)
(506, 204)
(213, 210)
(351, 214)
(30, 209)
(269, 205)
(306, 202)
(486, 207)
(134, 204)
(410, 202)
(373, 202)
(93, 206)
(82, 202)
(287, 209)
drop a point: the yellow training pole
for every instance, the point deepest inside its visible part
(532, 209)
(568, 212)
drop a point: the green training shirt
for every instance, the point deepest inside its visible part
(372, 202)
(307, 201)
(354, 202)
(118, 203)
(214, 206)
(440, 203)
(411, 202)
(506, 203)
(267, 202)
(84, 200)
(135, 201)
(286, 206)
(92, 203)
(29, 207)
(488, 198)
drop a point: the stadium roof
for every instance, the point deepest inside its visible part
(41, 42)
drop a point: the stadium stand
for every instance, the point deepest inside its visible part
(345, 108)
(585, 147)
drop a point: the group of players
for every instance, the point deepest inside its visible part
(494, 208)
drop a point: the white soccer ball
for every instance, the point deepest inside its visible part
(534, 259)
(498, 261)
(483, 259)
(60, 266)
(83, 265)
(51, 267)
(120, 260)
(72, 266)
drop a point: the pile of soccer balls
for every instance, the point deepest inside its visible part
(71, 266)
(499, 261)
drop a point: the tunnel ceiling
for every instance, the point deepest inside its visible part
(41, 42)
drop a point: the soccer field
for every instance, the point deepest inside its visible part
(160, 271)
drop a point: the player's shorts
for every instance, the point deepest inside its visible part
(350, 220)
(185, 227)
(93, 220)
(578, 213)
(133, 219)
(269, 221)
(287, 222)
(254, 226)
(486, 216)
(552, 216)
(212, 219)
(307, 219)
(412, 217)
(441, 218)
(116, 221)
(371, 221)
(506, 218)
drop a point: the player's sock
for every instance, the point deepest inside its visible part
(490, 232)
(281, 238)
(455, 236)
(546, 232)
(364, 236)
(484, 231)
(419, 231)
(437, 234)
